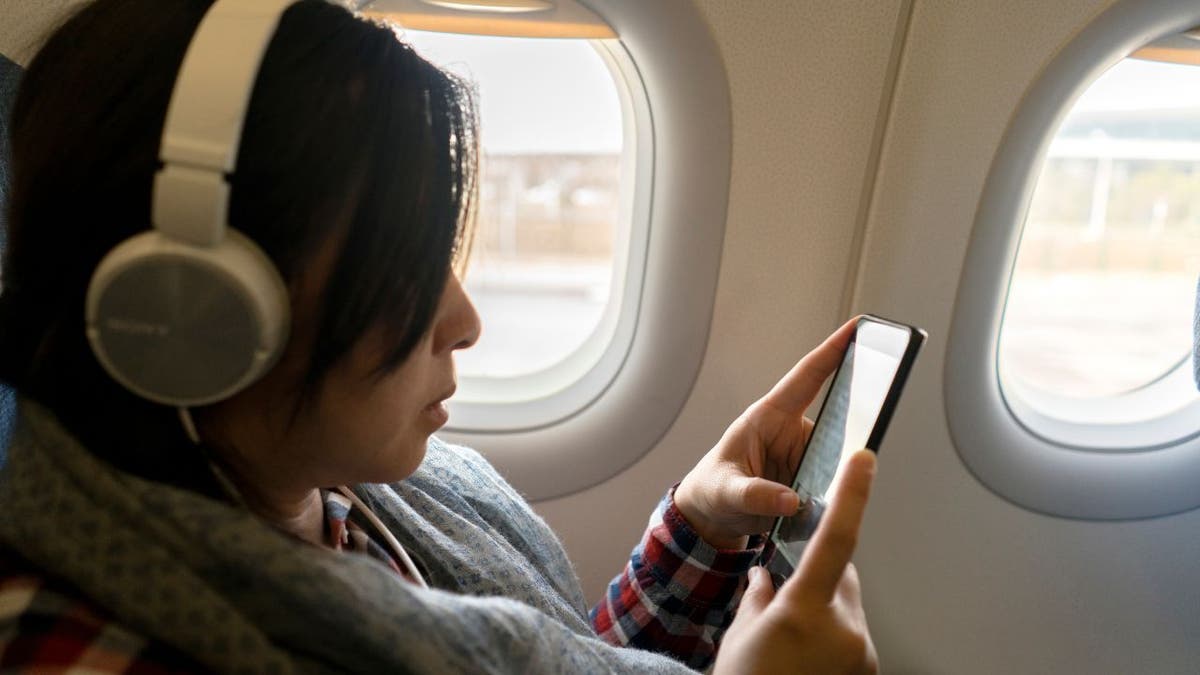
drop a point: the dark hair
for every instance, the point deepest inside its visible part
(351, 140)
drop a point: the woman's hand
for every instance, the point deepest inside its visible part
(815, 622)
(739, 487)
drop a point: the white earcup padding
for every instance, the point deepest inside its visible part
(187, 325)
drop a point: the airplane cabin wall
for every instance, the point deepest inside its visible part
(807, 80)
(26, 22)
(956, 579)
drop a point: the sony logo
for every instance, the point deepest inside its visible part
(135, 327)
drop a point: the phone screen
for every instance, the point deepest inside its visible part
(852, 417)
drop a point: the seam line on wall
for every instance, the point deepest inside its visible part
(883, 122)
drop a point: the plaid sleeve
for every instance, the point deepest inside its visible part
(46, 628)
(677, 593)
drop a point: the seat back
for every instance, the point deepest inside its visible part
(10, 73)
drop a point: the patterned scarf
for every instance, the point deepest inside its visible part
(239, 596)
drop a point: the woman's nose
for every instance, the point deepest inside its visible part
(459, 325)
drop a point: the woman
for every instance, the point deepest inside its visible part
(133, 542)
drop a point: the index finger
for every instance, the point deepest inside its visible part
(824, 560)
(799, 387)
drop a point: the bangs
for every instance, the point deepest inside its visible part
(411, 224)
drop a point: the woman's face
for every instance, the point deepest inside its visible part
(362, 426)
(375, 427)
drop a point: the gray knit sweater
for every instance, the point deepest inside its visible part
(238, 596)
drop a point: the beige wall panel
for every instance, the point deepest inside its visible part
(806, 80)
(956, 579)
(23, 23)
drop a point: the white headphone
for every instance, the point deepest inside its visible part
(192, 311)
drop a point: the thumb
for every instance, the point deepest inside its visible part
(758, 594)
(761, 497)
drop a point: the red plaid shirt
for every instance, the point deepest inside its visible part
(677, 593)
(676, 596)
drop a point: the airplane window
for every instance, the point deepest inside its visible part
(1102, 295)
(1069, 386)
(606, 151)
(550, 211)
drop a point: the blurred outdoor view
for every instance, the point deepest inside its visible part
(542, 261)
(1100, 302)
(1102, 296)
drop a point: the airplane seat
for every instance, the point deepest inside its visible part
(9, 74)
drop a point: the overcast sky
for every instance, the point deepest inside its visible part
(536, 95)
(539, 95)
(1134, 83)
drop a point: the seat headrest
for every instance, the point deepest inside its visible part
(10, 74)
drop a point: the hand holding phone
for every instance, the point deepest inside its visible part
(815, 621)
(816, 618)
(855, 414)
(743, 483)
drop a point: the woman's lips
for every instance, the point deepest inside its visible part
(437, 413)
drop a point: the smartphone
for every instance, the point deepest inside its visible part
(853, 416)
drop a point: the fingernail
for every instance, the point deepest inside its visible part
(756, 575)
(868, 456)
(788, 502)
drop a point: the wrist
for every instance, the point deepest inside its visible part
(702, 527)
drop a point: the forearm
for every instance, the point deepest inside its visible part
(677, 593)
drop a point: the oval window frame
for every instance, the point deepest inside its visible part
(588, 436)
(543, 397)
(1067, 472)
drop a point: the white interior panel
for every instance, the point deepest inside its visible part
(956, 579)
(806, 84)
(23, 24)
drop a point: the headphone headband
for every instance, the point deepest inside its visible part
(204, 120)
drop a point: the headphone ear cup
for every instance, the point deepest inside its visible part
(187, 325)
